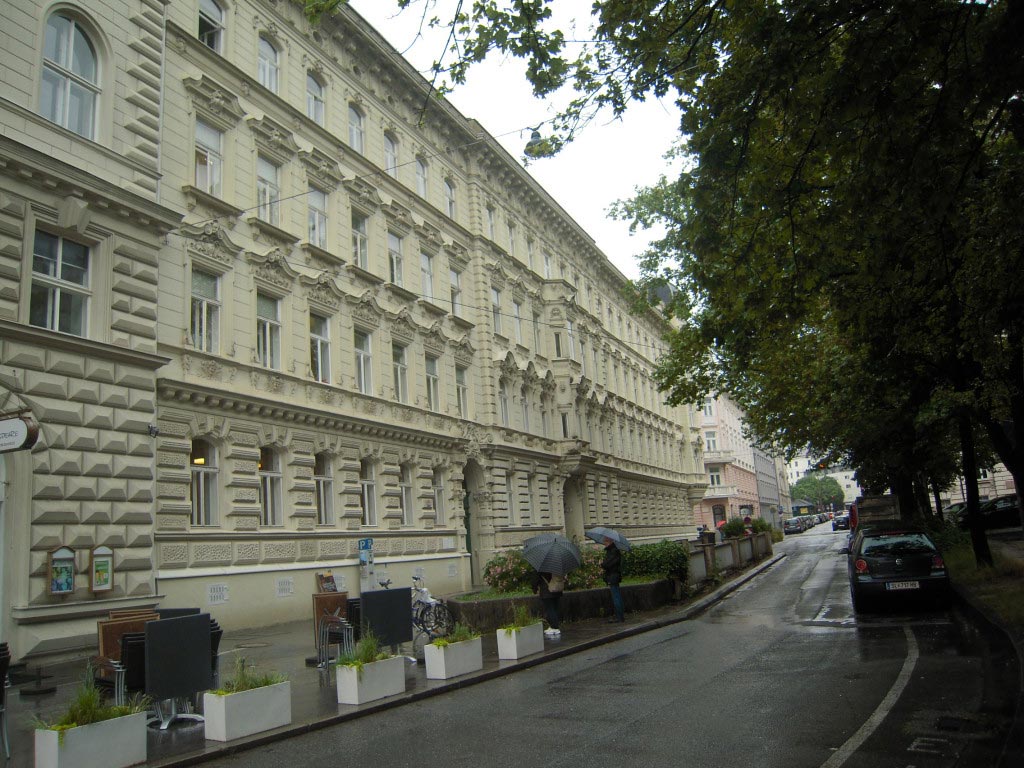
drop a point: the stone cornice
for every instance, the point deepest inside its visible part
(41, 337)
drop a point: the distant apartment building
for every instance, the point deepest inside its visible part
(804, 464)
(992, 482)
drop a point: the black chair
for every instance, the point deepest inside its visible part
(5, 665)
(215, 635)
(127, 676)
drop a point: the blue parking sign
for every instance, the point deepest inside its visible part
(365, 545)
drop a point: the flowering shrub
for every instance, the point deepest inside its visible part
(508, 571)
(587, 575)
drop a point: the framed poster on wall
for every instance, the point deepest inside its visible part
(101, 569)
(60, 565)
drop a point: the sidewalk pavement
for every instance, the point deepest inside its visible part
(284, 648)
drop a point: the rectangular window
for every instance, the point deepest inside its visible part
(455, 287)
(496, 309)
(462, 391)
(529, 252)
(269, 471)
(421, 178)
(209, 159)
(437, 485)
(314, 99)
(449, 199)
(536, 333)
(390, 156)
(570, 337)
(317, 199)
(427, 275)
(60, 285)
(360, 241)
(490, 223)
(711, 441)
(565, 425)
(433, 384)
(319, 348)
(203, 463)
(395, 258)
(503, 402)
(205, 326)
(268, 191)
(368, 492)
(324, 485)
(714, 478)
(547, 265)
(510, 496)
(558, 345)
(405, 499)
(526, 412)
(511, 239)
(709, 407)
(400, 369)
(364, 362)
(268, 331)
(531, 498)
(517, 321)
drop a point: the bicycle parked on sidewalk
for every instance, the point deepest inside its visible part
(431, 618)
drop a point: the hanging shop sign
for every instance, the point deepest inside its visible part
(18, 433)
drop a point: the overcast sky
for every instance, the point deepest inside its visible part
(606, 163)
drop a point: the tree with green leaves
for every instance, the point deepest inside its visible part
(820, 489)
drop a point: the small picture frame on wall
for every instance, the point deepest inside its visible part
(101, 569)
(60, 566)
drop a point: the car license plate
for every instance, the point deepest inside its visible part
(893, 585)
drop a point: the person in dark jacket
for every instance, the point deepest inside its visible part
(612, 567)
(550, 587)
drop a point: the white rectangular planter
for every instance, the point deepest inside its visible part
(454, 659)
(374, 681)
(521, 642)
(247, 712)
(115, 743)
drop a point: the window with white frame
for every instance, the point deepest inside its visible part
(449, 198)
(368, 492)
(496, 309)
(583, 357)
(455, 289)
(714, 478)
(517, 321)
(267, 65)
(529, 252)
(70, 84)
(209, 159)
(203, 465)
(503, 398)
(391, 155)
(421, 177)
(525, 401)
(360, 241)
(531, 498)
(405, 498)
(355, 129)
(510, 497)
(269, 472)
(314, 99)
(364, 362)
(323, 482)
(320, 347)
(268, 191)
(570, 335)
(317, 201)
(395, 266)
(268, 331)
(427, 275)
(711, 441)
(462, 391)
(433, 383)
(437, 486)
(511, 239)
(709, 407)
(211, 25)
(490, 223)
(547, 265)
(400, 369)
(205, 326)
(536, 332)
(60, 284)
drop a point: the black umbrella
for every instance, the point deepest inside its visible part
(600, 534)
(552, 553)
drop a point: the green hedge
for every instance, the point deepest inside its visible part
(508, 571)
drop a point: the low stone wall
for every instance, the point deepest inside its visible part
(487, 615)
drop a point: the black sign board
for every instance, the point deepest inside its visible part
(388, 614)
(178, 657)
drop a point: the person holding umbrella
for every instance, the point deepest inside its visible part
(612, 567)
(552, 556)
(549, 586)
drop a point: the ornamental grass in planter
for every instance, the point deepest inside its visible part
(369, 673)
(248, 703)
(522, 636)
(91, 734)
(457, 654)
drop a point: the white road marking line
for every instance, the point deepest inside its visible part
(853, 743)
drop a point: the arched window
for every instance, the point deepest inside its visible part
(449, 198)
(391, 155)
(267, 65)
(211, 25)
(355, 129)
(421, 177)
(203, 463)
(70, 89)
(314, 99)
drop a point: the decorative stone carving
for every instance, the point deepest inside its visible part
(213, 102)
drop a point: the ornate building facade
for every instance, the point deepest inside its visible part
(267, 298)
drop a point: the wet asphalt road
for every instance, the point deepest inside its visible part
(781, 673)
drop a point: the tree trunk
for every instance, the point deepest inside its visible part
(937, 495)
(979, 542)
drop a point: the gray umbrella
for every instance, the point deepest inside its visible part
(552, 553)
(599, 534)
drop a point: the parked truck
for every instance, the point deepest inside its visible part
(867, 509)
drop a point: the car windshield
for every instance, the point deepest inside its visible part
(896, 544)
